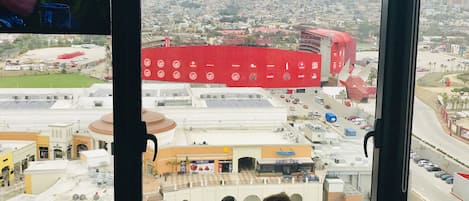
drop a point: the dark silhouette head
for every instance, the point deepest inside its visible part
(278, 197)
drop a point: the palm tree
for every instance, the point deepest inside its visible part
(445, 99)
(465, 102)
(453, 100)
(458, 102)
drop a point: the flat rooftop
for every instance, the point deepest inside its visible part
(236, 137)
(256, 103)
(14, 145)
(79, 180)
(52, 165)
(154, 95)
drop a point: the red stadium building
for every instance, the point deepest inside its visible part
(337, 50)
(234, 66)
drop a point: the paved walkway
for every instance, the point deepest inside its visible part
(152, 185)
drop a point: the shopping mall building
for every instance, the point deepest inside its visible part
(201, 131)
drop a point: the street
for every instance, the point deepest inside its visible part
(428, 185)
(426, 126)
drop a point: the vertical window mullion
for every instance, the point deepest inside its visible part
(395, 93)
(128, 138)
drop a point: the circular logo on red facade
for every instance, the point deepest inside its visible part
(176, 75)
(160, 63)
(193, 75)
(147, 62)
(160, 74)
(235, 76)
(176, 64)
(210, 76)
(147, 73)
(253, 76)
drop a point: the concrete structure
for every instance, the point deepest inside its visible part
(358, 90)
(41, 175)
(335, 189)
(199, 141)
(96, 158)
(254, 192)
(102, 129)
(336, 48)
(15, 156)
(60, 139)
(460, 186)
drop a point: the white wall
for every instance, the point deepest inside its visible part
(43, 181)
(24, 153)
(309, 191)
(461, 187)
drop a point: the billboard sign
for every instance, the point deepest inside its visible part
(202, 167)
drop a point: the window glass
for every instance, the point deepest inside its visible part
(244, 94)
(440, 145)
(56, 104)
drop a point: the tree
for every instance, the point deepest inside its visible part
(465, 102)
(372, 76)
(453, 101)
(445, 99)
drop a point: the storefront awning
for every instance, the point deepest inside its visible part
(285, 161)
(181, 157)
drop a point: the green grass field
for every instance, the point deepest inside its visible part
(48, 81)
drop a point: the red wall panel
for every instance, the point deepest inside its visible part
(235, 66)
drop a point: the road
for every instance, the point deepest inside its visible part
(428, 185)
(426, 126)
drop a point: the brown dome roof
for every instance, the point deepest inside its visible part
(156, 123)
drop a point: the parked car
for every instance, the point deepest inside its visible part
(422, 162)
(428, 165)
(445, 176)
(316, 114)
(449, 180)
(433, 168)
(352, 117)
(287, 100)
(417, 158)
(327, 106)
(439, 173)
(282, 96)
(305, 106)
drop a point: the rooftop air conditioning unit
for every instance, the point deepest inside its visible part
(98, 103)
